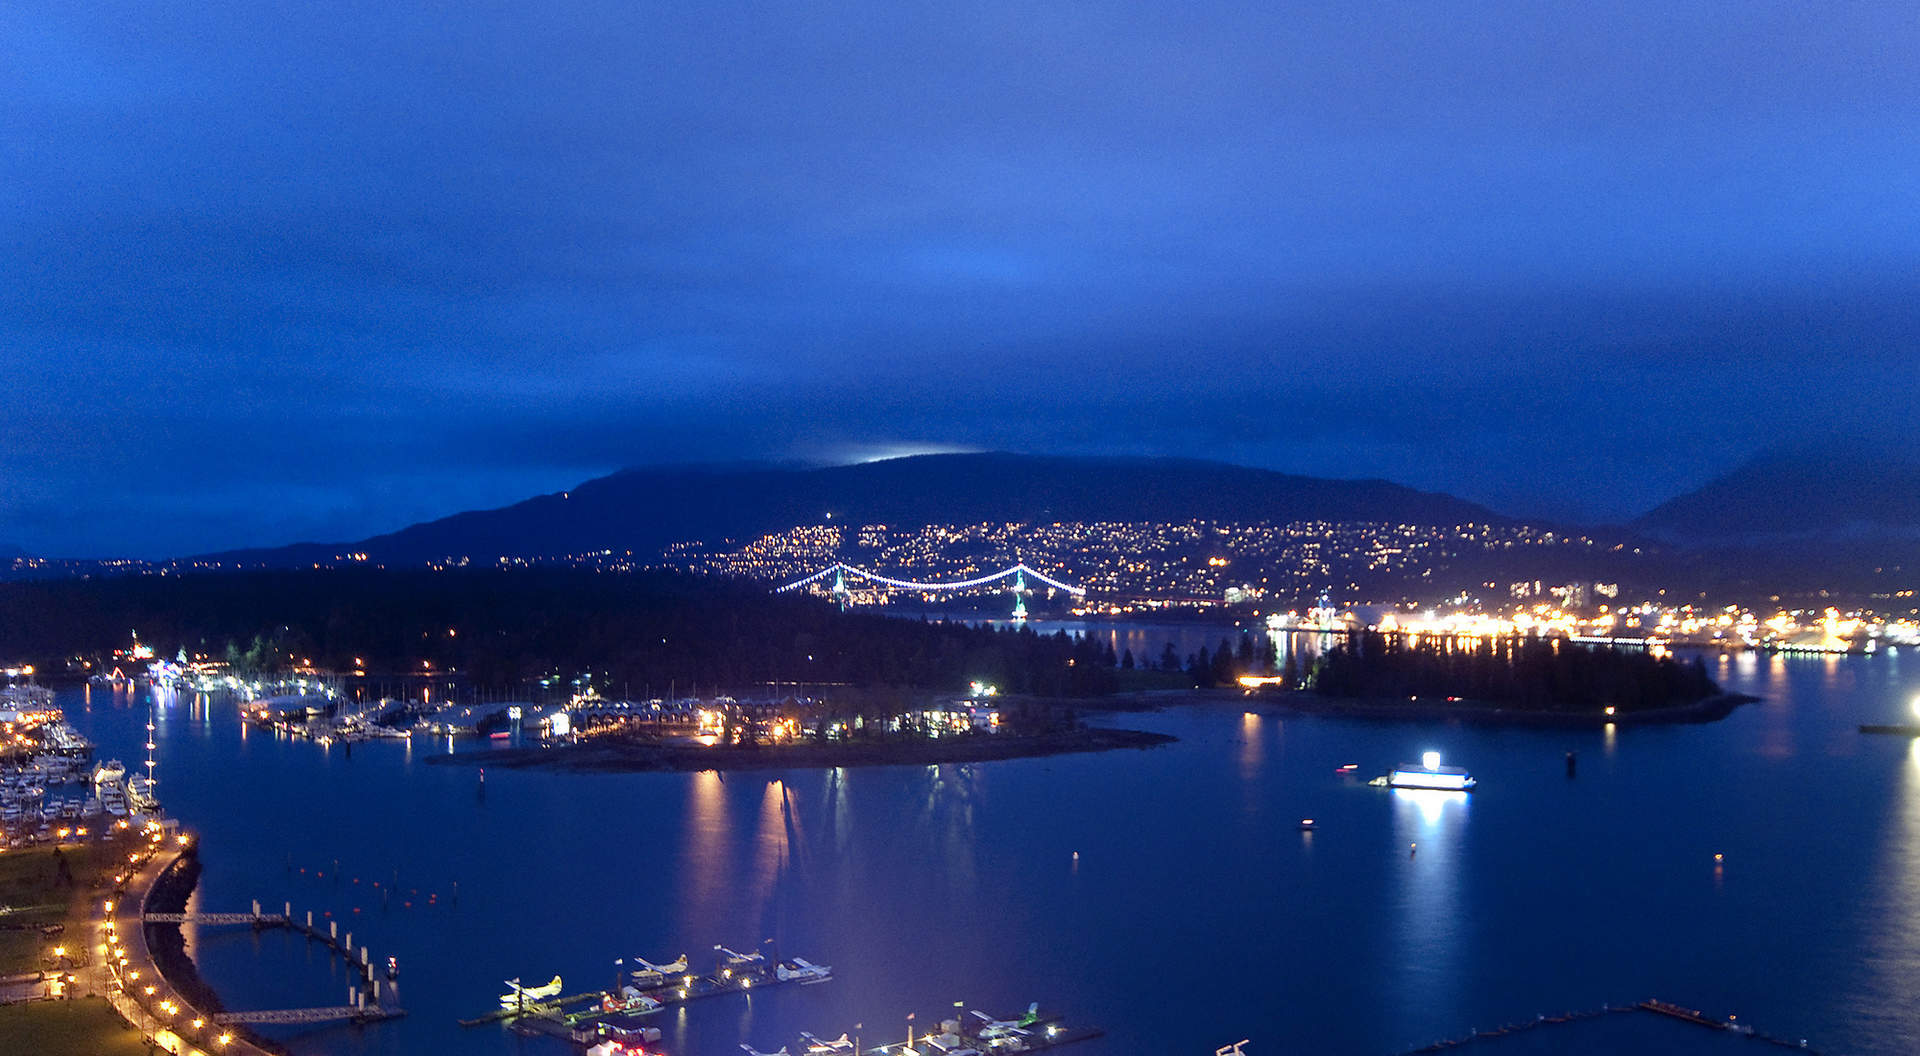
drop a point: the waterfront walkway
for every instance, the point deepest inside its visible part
(129, 977)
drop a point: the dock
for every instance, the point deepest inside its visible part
(550, 1016)
(1652, 1006)
(364, 1002)
(1036, 1033)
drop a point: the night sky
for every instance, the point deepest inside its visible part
(318, 270)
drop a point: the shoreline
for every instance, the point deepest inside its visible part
(1306, 702)
(166, 946)
(633, 757)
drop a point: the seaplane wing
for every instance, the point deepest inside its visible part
(670, 968)
(751, 1051)
(843, 1043)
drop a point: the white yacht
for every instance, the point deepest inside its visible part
(111, 772)
(140, 794)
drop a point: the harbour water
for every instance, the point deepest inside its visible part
(1196, 913)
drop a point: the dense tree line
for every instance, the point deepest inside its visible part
(1514, 671)
(507, 627)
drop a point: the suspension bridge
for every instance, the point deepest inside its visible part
(840, 570)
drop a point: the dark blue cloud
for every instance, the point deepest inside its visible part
(282, 271)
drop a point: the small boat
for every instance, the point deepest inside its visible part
(500, 736)
(1308, 825)
(1348, 770)
(629, 1000)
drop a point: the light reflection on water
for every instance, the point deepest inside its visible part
(704, 865)
(1429, 825)
(1250, 746)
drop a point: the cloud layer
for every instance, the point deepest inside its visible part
(299, 271)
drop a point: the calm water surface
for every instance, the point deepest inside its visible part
(1197, 913)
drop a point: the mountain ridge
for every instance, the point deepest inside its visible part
(643, 509)
(1833, 492)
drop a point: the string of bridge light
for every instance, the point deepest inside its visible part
(906, 584)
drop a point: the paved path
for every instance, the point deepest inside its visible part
(164, 1014)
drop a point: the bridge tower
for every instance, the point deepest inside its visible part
(840, 589)
(1019, 596)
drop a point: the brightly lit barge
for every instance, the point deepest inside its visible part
(1444, 778)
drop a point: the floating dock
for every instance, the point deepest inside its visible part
(1036, 1034)
(1651, 1005)
(550, 1016)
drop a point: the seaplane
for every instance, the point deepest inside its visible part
(736, 959)
(751, 1051)
(518, 995)
(1005, 1028)
(674, 967)
(817, 1047)
(802, 971)
(650, 975)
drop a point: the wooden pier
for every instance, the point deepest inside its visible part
(363, 1001)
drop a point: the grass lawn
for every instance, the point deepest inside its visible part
(81, 1027)
(33, 893)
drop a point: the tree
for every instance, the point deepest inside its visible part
(1126, 660)
(1201, 668)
